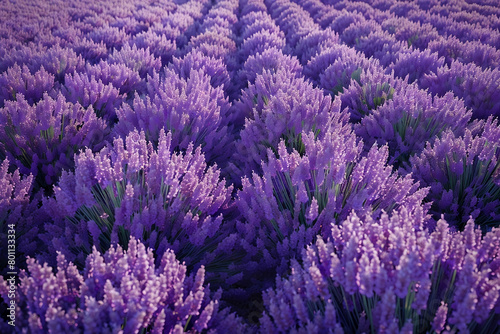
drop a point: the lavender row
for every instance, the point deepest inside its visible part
(427, 67)
(436, 17)
(396, 118)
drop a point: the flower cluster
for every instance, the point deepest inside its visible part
(362, 279)
(42, 139)
(276, 112)
(411, 119)
(119, 291)
(168, 200)
(463, 173)
(302, 191)
(17, 80)
(191, 109)
(21, 220)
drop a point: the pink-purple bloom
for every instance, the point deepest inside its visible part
(130, 189)
(119, 291)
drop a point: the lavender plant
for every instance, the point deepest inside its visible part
(413, 33)
(451, 48)
(380, 45)
(279, 106)
(159, 45)
(119, 76)
(167, 200)
(301, 192)
(390, 275)
(120, 291)
(264, 23)
(112, 37)
(366, 88)
(464, 176)
(261, 41)
(91, 51)
(191, 109)
(87, 91)
(478, 88)
(322, 61)
(140, 60)
(410, 120)
(415, 64)
(345, 19)
(213, 67)
(20, 219)
(57, 61)
(41, 139)
(314, 43)
(17, 80)
(272, 60)
(352, 34)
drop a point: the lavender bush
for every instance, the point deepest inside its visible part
(120, 291)
(360, 279)
(17, 80)
(411, 119)
(273, 111)
(464, 176)
(42, 139)
(168, 200)
(191, 109)
(303, 190)
(21, 219)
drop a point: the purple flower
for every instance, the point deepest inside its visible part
(345, 19)
(370, 88)
(453, 49)
(21, 219)
(413, 33)
(301, 192)
(253, 6)
(314, 43)
(159, 45)
(41, 139)
(17, 80)
(57, 61)
(264, 23)
(261, 41)
(191, 109)
(279, 106)
(91, 51)
(272, 59)
(478, 88)
(168, 200)
(462, 172)
(113, 37)
(415, 64)
(389, 274)
(213, 44)
(140, 60)
(411, 119)
(120, 76)
(345, 70)
(89, 92)
(318, 64)
(213, 67)
(380, 45)
(352, 34)
(118, 291)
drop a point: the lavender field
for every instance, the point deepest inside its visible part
(250, 166)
